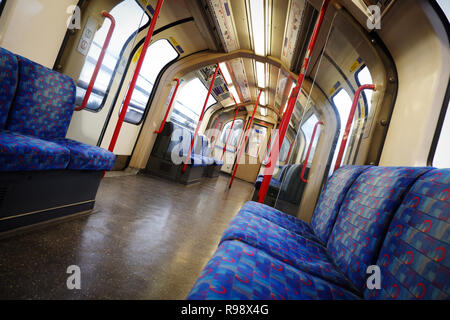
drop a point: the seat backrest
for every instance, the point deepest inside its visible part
(162, 142)
(331, 198)
(414, 258)
(44, 102)
(364, 217)
(9, 78)
(292, 187)
(283, 171)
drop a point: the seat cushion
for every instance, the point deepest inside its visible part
(282, 219)
(275, 183)
(240, 272)
(26, 153)
(414, 259)
(331, 198)
(288, 247)
(44, 102)
(364, 218)
(86, 157)
(9, 77)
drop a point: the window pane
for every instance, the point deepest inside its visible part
(442, 154)
(128, 15)
(343, 103)
(364, 77)
(189, 104)
(234, 136)
(308, 129)
(159, 54)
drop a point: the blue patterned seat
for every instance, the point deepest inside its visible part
(326, 210)
(286, 246)
(414, 259)
(364, 218)
(9, 77)
(26, 153)
(44, 102)
(86, 157)
(42, 107)
(238, 271)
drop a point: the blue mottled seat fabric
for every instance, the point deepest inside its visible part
(238, 271)
(393, 217)
(326, 210)
(86, 157)
(9, 77)
(19, 152)
(36, 107)
(414, 258)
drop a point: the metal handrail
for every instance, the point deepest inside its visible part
(135, 77)
(169, 107)
(302, 175)
(268, 172)
(244, 142)
(99, 61)
(200, 120)
(349, 123)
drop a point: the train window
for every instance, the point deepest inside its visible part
(124, 12)
(363, 76)
(237, 129)
(284, 150)
(308, 128)
(442, 154)
(189, 104)
(159, 54)
(343, 104)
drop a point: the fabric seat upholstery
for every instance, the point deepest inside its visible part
(239, 271)
(414, 259)
(44, 102)
(26, 153)
(9, 77)
(86, 157)
(364, 217)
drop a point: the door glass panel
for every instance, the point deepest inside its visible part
(189, 103)
(159, 54)
(129, 17)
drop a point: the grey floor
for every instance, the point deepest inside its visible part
(147, 239)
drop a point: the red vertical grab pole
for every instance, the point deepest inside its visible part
(200, 119)
(169, 107)
(302, 175)
(268, 172)
(99, 61)
(231, 129)
(289, 152)
(244, 142)
(349, 123)
(135, 76)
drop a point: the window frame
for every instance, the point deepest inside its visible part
(155, 85)
(444, 109)
(114, 73)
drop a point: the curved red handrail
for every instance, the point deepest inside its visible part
(302, 175)
(268, 172)
(244, 142)
(99, 61)
(169, 107)
(127, 101)
(200, 120)
(289, 152)
(349, 123)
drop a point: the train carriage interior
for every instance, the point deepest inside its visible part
(225, 149)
